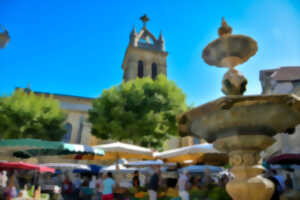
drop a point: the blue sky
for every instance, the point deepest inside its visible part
(77, 47)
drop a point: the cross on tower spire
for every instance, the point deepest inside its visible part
(144, 19)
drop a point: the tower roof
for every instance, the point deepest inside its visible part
(145, 39)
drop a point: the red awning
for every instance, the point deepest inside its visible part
(285, 159)
(25, 166)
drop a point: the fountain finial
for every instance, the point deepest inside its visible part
(225, 29)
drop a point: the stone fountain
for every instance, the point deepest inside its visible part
(241, 126)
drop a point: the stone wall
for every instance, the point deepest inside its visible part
(134, 55)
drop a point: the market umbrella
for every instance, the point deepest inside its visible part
(25, 166)
(117, 150)
(201, 169)
(122, 168)
(12, 145)
(66, 166)
(189, 154)
(9, 146)
(94, 169)
(147, 163)
(58, 148)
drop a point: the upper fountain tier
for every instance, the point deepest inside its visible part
(236, 114)
(229, 50)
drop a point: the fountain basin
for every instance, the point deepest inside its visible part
(242, 115)
(229, 50)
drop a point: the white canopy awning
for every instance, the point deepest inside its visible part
(113, 168)
(126, 148)
(146, 163)
(66, 166)
(194, 149)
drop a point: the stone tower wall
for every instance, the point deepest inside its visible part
(134, 55)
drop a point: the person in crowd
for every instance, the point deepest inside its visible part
(199, 181)
(153, 184)
(54, 179)
(288, 182)
(67, 188)
(136, 179)
(207, 179)
(92, 186)
(1, 188)
(22, 179)
(182, 185)
(108, 187)
(76, 184)
(223, 180)
(193, 183)
(281, 181)
(172, 191)
(3, 184)
(14, 176)
(99, 186)
(3, 179)
(86, 192)
(92, 183)
(278, 189)
(11, 191)
(24, 192)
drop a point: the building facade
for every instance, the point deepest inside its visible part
(283, 80)
(78, 129)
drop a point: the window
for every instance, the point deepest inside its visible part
(140, 69)
(154, 70)
(67, 136)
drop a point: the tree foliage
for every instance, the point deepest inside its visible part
(24, 115)
(142, 111)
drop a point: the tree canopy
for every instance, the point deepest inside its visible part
(142, 111)
(26, 115)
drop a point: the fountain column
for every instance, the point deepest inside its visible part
(244, 155)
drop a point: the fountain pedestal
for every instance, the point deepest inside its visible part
(244, 155)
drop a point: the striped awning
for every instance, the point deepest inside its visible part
(26, 148)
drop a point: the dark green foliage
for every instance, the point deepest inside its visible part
(25, 115)
(142, 111)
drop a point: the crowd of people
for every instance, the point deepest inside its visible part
(104, 187)
(86, 187)
(80, 188)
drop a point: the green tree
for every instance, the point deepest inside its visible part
(142, 111)
(24, 115)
